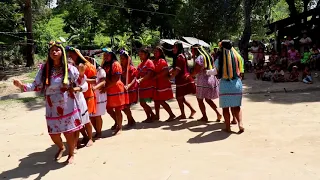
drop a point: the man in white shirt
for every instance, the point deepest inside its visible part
(305, 43)
(254, 51)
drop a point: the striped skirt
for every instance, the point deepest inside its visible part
(230, 93)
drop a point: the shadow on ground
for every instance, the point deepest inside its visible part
(285, 98)
(31, 103)
(40, 163)
(206, 132)
(280, 93)
(16, 71)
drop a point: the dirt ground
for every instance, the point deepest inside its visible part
(281, 141)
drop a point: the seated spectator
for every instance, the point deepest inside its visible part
(284, 59)
(306, 76)
(315, 57)
(294, 75)
(248, 66)
(278, 75)
(267, 75)
(273, 60)
(293, 57)
(259, 72)
(306, 58)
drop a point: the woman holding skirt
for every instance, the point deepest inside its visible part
(207, 85)
(229, 68)
(101, 99)
(163, 89)
(114, 88)
(184, 82)
(129, 78)
(89, 95)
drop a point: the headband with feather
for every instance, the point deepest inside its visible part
(65, 78)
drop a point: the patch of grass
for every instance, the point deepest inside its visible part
(22, 100)
(28, 81)
(32, 74)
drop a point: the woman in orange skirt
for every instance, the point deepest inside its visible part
(163, 89)
(89, 95)
(114, 88)
(146, 84)
(129, 78)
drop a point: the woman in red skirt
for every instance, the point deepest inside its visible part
(184, 82)
(129, 78)
(163, 89)
(146, 83)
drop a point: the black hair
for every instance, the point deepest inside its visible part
(110, 63)
(179, 46)
(162, 52)
(146, 51)
(225, 44)
(44, 70)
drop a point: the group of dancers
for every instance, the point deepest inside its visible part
(78, 91)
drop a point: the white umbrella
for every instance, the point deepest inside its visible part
(193, 41)
(172, 41)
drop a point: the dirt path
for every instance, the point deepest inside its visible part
(282, 141)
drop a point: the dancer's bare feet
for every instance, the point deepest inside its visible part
(219, 117)
(234, 121)
(181, 117)
(148, 120)
(89, 143)
(241, 130)
(228, 130)
(114, 127)
(84, 140)
(70, 160)
(117, 131)
(171, 118)
(59, 154)
(203, 119)
(156, 118)
(130, 124)
(97, 136)
(192, 114)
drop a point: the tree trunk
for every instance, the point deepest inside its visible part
(28, 25)
(246, 35)
(305, 5)
(292, 8)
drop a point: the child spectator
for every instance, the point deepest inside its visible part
(306, 76)
(261, 56)
(273, 60)
(294, 75)
(284, 58)
(267, 75)
(255, 51)
(278, 75)
(259, 72)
